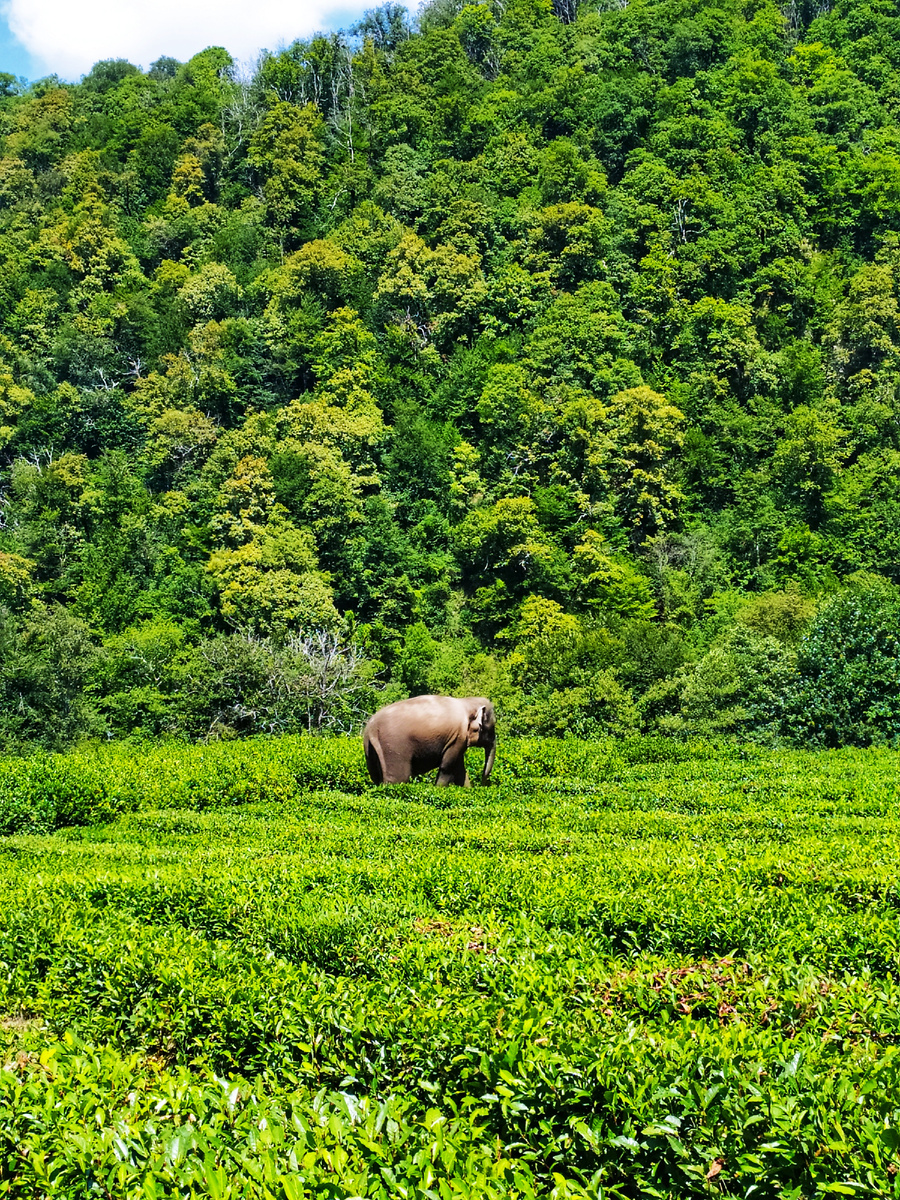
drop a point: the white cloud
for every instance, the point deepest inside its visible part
(69, 36)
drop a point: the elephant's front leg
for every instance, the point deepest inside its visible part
(453, 770)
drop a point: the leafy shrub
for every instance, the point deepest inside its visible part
(599, 708)
(849, 665)
(44, 791)
(784, 616)
(739, 687)
(44, 672)
(246, 685)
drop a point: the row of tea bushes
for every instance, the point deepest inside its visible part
(122, 1126)
(96, 782)
(680, 981)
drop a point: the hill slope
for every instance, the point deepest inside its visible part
(557, 348)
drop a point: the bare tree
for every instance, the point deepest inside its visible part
(332, 676)
(317, 681)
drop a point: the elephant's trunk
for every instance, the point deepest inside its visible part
(490, 753)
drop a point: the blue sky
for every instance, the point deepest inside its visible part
(66, 37)
(13, 55)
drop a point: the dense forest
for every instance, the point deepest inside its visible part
(537, 349)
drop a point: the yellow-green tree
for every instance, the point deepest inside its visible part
(288, 156)
(647, 433)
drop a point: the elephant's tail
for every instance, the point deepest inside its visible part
(373, 760)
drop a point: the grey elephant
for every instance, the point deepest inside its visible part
(414, 736)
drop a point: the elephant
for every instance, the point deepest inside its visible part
(412, 737)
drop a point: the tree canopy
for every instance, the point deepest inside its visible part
(543, 348)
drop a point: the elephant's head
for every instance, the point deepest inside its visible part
(483, 732)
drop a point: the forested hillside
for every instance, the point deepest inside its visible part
(542, 350)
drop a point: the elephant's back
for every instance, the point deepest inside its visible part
(417, 715)
(419, 706)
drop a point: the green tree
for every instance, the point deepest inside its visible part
(849, 666)
(287, 153)
(740, 687)
(647, 433)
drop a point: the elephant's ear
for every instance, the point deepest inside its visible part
(476, 721)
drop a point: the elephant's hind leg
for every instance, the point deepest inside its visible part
(373, 762)
(396, 774)
(396, 764)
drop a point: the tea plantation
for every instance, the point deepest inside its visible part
(625, 970)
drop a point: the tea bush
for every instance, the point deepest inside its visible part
(645, 968)
(98, 781)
